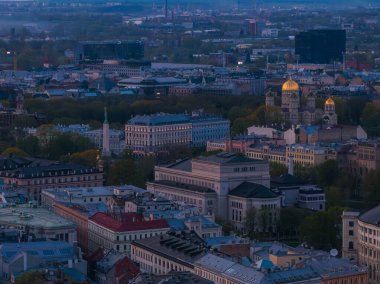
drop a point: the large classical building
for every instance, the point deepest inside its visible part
(206, 181)
(227, 185)
(153, 133)
(294, 113)
(361, 240)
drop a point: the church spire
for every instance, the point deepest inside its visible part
(106, 135)
(105, 116)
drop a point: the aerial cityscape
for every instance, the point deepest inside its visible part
(187, 141)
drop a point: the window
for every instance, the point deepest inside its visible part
(351, 223)
(350, 245)
(350, 232)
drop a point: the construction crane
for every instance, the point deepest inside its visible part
(9, 52)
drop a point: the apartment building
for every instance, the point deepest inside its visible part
(268, 152)
(168, 252)
(117, 233)
(361, 240)
(34, 179)
(310, 155)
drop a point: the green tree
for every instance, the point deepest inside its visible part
(24, 121)
(370, 119)
(277, 169)
(88, 158)
(30, 277)
(65, 144)
(29, 144)
(227, 226)
(250, 222)
(14, 151)
(322, 229)
(122, 172)
(290, 220)
(370, 189)
(327, 172)
(264, 219)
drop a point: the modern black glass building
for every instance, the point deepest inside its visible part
(320, 46)
(109, 50)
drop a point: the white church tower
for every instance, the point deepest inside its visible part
(106, 135)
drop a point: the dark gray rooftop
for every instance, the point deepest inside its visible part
(252, 190)
(183, 165)
(372, 216)
(286, 180)
(171, 278)
(184, 186)
(228, 158)
(159, 119)
(52, 170)
(182, 247)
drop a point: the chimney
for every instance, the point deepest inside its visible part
(291, 165)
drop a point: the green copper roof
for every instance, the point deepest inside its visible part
(252, 190)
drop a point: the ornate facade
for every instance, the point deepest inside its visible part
(295, 113)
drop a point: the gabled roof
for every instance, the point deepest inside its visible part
(252, 190)
(126, 270)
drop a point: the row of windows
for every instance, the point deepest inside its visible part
(312, 198)
(62, 180)
(244, 169)
(158, 129)
(156, 264)
(235, 204)
(187, 181)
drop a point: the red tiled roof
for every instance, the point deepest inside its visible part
(128, 222)
(126, 270)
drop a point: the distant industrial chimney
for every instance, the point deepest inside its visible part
(291, 165)
(166, 9)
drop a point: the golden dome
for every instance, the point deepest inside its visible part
(290, 86)
(329, 101)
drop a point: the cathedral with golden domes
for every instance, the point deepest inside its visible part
(294, 113)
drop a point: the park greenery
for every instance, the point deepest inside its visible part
(243, 112)
(294, 225)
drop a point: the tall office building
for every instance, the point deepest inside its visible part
(320, 46)
(109, 50)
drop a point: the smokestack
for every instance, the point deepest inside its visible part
(291, 165)
(166, 9)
